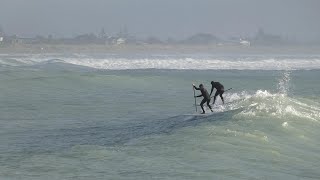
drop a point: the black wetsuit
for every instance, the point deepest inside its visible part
(220, 91)
(206, 98)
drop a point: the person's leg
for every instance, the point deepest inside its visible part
(215, 96)
(201, 104)
(221, 92)
(208, 104)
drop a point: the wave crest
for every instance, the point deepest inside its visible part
(265, 104)
(113, 62)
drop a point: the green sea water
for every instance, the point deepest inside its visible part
(66, 121)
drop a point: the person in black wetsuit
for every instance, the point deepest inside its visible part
(220, 90)
(206, 97)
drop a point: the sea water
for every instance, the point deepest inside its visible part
(132, 116)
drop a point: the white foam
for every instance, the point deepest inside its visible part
(285, 124)
(113, 62)
(196, 64)
(278, 105)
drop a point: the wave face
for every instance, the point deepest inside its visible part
(183, 62)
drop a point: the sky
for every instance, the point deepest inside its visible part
(294, 19)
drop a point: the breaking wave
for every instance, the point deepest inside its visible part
(263, 103)
(112, 62)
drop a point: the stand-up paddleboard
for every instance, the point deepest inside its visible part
(207, 114)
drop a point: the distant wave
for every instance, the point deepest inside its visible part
(169, 62)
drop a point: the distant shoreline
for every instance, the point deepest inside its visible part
(172, 49)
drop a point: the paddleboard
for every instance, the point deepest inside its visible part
(199, 114)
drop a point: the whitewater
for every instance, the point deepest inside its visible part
(143, 61)
(132, 116)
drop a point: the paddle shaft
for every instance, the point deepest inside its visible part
(224, 91)
(195, 99)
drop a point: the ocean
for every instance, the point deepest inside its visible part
(132, 116)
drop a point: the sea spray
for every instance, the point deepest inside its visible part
(283, 84)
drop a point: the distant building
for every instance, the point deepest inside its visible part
(102, 34)
(121, 41)
(244, 42)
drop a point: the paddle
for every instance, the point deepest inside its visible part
(227, 89)
(195, 99)
(224, 91)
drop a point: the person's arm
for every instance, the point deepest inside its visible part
(199, 95)
(212, 87)
(195, 87)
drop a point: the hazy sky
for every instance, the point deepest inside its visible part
(298, 19)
